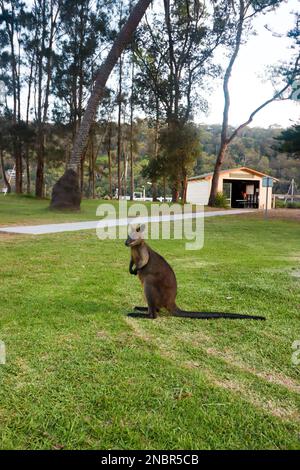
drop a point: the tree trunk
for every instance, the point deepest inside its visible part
(216, 175)
(175, 192)
(3, 172)
(28, 188)
(19, 168)
(131, 132)
(39, 180)
(123, 38)
(184, 189)
(109, 159)
(224, 132)
(119, 134)
(93, 168)
(154, 191)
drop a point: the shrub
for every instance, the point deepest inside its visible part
(279, 204)
(293, 205)
(287, 205)
(221, 200)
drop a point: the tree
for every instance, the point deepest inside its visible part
(123, 38)
(290, 141)
(12, 20)
(44, 23)
(174, 55)
(243, 12)
(180, 146)
(83, 29)
(4, 145)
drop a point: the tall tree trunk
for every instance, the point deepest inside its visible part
(10, 23)
(175, 191)
(154, 183)
(224, 132)
(39, 180)
(184, 189)
(119, 138)
(154, 191)
(109, 159)
(93, 158)
(28, 182)
(19, 167)
(131, 132)
(6, 182)
(28, 186)
(43, 106)
(216, 175)
(123, 38)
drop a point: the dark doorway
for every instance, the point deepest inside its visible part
(244, 193)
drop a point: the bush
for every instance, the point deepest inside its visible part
(280, 204)
(221, 200)
(293, 205)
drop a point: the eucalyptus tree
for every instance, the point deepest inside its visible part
(175, 50)
(82, 32)
(242, 14)
(289, 140)
(12, 25)
(62, 196)
(39, 45)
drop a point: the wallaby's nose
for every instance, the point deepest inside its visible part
(127, 242)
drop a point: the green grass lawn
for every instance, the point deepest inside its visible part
(81, 374)
(28, 210)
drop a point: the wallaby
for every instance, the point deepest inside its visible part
(159, 282)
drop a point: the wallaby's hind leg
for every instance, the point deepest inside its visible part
(142, 309)
(151, 295)
(138, 315)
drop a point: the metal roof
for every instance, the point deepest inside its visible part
(240, 168)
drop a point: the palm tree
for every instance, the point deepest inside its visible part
(66, 193)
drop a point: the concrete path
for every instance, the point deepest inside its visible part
(74, 226)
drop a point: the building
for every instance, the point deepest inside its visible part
(243, 188)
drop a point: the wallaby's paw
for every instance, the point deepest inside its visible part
(138, 315)
(140, 309)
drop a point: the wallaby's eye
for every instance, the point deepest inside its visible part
(138, 228)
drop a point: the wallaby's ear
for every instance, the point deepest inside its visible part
(142, 228)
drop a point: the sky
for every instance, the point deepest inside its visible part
(248, 88)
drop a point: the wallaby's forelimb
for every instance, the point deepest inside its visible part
(131, 270)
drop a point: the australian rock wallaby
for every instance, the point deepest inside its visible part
(159, 282)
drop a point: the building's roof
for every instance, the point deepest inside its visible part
(208, 176)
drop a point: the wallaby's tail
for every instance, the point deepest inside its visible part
(214, 315)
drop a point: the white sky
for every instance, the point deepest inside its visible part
(247, 88)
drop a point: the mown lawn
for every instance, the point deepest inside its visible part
(81, 374)
(27, 210)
